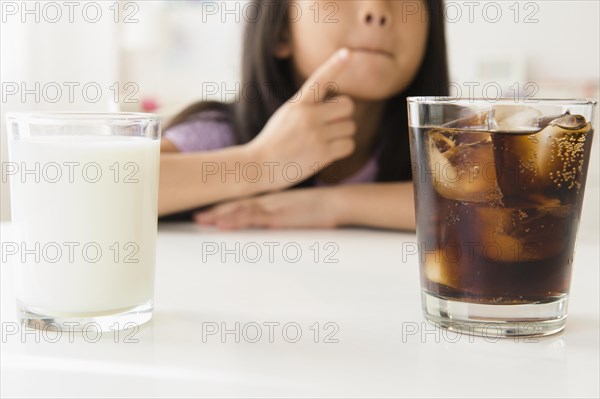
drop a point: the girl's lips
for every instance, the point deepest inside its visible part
(372, 51)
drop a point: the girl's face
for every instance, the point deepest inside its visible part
(387, 39)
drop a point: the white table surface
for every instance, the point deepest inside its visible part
(371, 295)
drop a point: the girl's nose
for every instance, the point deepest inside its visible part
(375, 14)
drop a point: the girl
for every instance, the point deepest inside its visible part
(324, 112)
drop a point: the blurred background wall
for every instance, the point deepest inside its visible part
(161, 55)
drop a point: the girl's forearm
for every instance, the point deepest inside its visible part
(382, 205)
(189, 181)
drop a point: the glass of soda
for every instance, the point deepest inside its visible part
(498, 191)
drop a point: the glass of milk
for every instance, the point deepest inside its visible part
(84, 191)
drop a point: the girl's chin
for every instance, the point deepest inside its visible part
(371, 82)
(370, 91)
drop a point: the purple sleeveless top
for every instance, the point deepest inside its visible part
(209, 131)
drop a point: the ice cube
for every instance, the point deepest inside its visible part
(570, 122)
(545, 165)
(472, 121)
(462, 166)
(438, 270)
(514, 118)
(522, 235)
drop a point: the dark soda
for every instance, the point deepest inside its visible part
(498, 209)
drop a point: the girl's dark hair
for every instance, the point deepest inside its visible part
(268, 82)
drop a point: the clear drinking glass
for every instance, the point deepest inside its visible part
(84, 190)
(498, 190)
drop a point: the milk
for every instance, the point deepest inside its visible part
(85, 213)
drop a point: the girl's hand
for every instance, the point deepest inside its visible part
(310, 131)
(167, 146)
(302, 208)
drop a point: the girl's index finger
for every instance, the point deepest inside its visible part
(325, 74)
